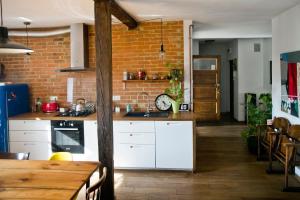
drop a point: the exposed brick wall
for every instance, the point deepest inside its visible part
(132, 50)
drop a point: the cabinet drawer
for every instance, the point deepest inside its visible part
(24, 136)
(134, 138)
(33, 125)
(37, 150)
(134, 156)
(134, 126)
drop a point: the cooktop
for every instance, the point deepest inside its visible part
(75, 113)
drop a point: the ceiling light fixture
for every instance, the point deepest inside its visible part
(27, 40)
(162, 51)
(7, 46)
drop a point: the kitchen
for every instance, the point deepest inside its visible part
(111, 105)
(52, 75)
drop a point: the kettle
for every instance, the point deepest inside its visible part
(80, 105)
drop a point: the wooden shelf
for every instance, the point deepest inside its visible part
(143, 81)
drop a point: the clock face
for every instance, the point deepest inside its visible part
(163, 102)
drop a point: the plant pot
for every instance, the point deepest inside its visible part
(175, 106)
(252, 144)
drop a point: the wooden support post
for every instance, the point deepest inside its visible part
(103, 46)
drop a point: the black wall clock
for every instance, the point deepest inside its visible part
(163, 102)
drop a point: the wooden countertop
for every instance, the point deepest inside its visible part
(49, 116)
(181, 116)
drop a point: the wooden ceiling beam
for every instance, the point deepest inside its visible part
(122, 15)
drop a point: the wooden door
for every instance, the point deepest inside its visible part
(206, 87)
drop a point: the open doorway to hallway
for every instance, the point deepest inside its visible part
(226, 51)
(244, 68)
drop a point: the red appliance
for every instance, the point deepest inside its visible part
(50, 107)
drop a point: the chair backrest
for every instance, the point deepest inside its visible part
(281, 124)
(95, 190)
(66, 156)
(15, 156)
(294, 132)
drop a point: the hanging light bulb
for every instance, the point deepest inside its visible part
(162, 50)
(7, 46)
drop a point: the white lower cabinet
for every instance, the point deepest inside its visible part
(90, 143)
(134, 144)
(149, 144)
(33, 136)
(174, 144)
(37, 150)
(135, 156)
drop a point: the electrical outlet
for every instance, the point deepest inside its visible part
(116, 98)
(53, 98)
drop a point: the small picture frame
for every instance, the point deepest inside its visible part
(184, 107)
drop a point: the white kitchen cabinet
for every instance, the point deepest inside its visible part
(174, 144)
(37, 125)
(134, 144)
(38, 150)
(33, 136)
(90, 143)
(134, 156)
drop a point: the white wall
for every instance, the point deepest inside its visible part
(286, 38)
(220, 48)
(251, 70)
(233, 30)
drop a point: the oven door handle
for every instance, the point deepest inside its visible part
(66, 129)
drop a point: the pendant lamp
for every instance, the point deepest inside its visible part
(162, 51)
(7, 46)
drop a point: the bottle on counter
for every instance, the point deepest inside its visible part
(117, 109)
(38, 104)
(128, 108)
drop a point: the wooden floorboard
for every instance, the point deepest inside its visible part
(225, 171)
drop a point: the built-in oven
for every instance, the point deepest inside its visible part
(67, 136)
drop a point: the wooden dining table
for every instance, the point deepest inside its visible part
(36, 179)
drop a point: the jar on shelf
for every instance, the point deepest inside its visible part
(125, 75)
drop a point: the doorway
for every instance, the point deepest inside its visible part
(206, 87)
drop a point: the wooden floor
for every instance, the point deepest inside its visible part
(225, 171)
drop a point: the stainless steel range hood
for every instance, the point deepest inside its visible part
(79, 48)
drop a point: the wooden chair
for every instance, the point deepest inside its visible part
(285, 153)
(95, 190)
(14, 156)
(66, 156)
(279, 126)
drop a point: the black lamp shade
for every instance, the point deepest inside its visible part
(9, 47)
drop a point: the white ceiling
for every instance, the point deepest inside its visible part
(48, 13)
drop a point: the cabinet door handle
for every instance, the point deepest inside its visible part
(29, 144)
(130, 123)
(172, 123)
(131, 147)
(130, 135)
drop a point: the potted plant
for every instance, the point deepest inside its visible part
(257, 115)
(175, 89)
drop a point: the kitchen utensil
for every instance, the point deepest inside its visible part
(50, 107)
